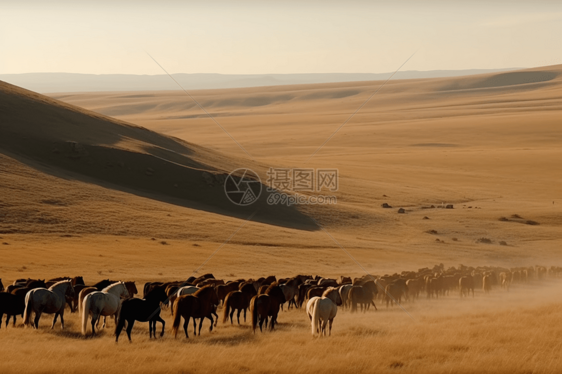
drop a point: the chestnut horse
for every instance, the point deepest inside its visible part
(201, 304)
(266, 305)
(238, 300)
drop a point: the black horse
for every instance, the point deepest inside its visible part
(142, 310)
(12, 305)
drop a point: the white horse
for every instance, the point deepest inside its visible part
(43, 300)
(106, 302)
(323, 308)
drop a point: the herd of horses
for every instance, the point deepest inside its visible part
(198, 298)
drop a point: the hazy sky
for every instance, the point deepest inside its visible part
(245, 37)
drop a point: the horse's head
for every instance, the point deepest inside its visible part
(69, 290)
(124, 292)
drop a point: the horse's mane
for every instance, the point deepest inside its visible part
(203, 290)
(328, 290)
(59, 283)
(114, 285)
(271, 286)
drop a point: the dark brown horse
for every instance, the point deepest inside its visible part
(202, 278)
(225, 289)
(201, 304)
(131, 288)
(363, 295)
(266, 305)
(238, 300)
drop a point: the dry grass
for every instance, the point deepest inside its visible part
(515, 332)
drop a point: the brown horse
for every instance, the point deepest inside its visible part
(225, 289)
(131, 288)
(201, 304)
(363, 295)
(266, 305)
(238, 300)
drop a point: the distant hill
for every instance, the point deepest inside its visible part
(70, 82)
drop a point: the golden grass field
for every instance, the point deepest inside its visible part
(85, 194)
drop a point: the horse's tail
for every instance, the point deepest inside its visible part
(177, 316)
(226, 308)
(315, 318)
(85, 313)
(254, 309)
(80, 300)
(28, 309)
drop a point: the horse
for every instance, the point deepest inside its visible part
(266, 305)
(363, 294)
(11, 305)
(202, 278)
(131, 288)
(78, 280)
(291, 290)
(103, 303)
(69, 301)
(323, 308)
(344, 293)
(42, 300)
(1, 286)
(142, 310)
(36, 283)
(201, 305)
(394, 292)
(225, 289)
(238, 300)
(466, 284)
(185, 290)
(83, 293)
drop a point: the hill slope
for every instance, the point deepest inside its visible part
(53, 137)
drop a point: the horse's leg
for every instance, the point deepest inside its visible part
(95, 318)
(159, 319)
(216, 317)
(261, 323)
(62, 319)
(331, 321)
(37, 317)
(2, 316)
(244, 315)
(194, 326)
(130, 328)
(54, 320)
(185, 323)
(231, 315)
(211, 318)
(238, 315)
(201, 325)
